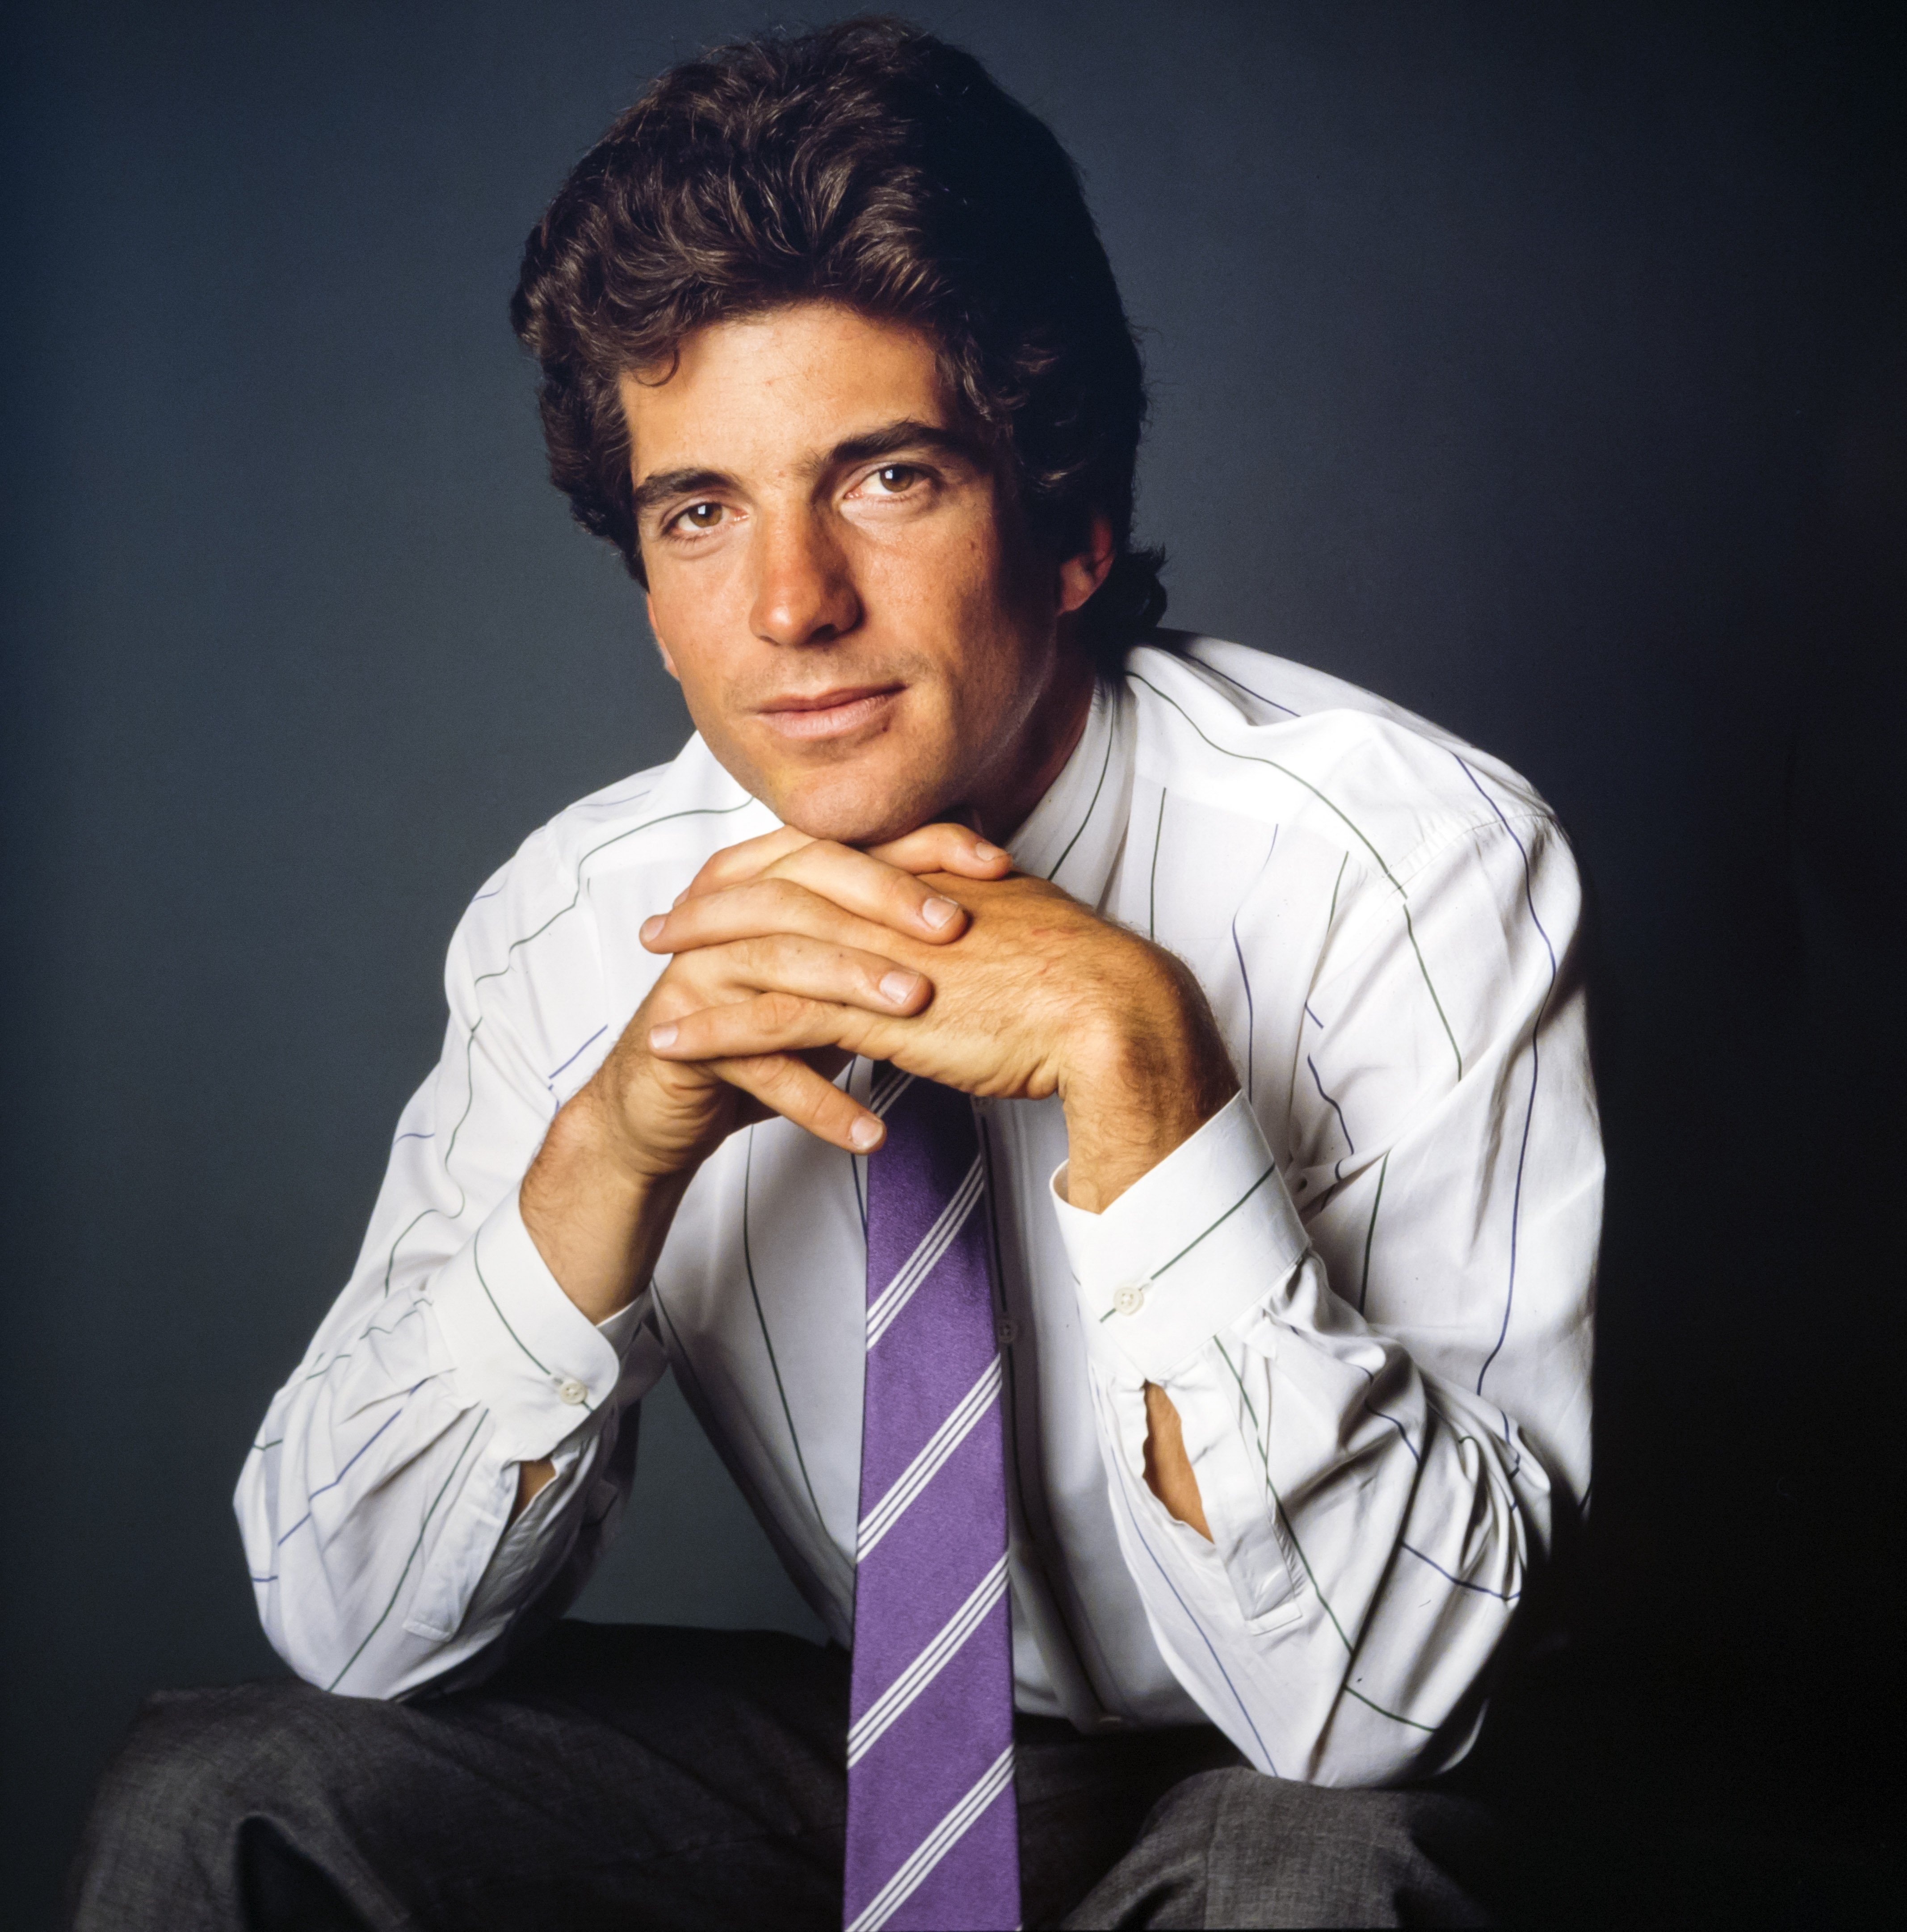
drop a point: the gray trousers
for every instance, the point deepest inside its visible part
(634, 1776)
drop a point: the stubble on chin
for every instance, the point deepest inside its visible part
(859, 806)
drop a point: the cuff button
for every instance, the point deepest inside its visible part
(573, 1391)
(1129, 1299)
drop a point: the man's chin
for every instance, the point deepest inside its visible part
(855, 809)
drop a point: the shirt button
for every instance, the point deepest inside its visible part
(1006, 1332)
(1129, 1299)
(573, 1391)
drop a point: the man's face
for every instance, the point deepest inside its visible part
(835, 577)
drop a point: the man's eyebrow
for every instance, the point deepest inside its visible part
(667, 483)
(905, 433)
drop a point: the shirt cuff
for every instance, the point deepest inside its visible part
(520, 1344)
(1195, 1243)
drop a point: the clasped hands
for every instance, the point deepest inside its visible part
(788, 954)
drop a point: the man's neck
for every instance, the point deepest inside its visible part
(1017, 782)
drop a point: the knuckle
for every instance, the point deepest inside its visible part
(759, 955)
(671, 997)
(774, 1072)
(781, 1011)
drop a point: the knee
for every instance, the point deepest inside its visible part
(166, 1818)
(187, 1753)
(1280, 1853)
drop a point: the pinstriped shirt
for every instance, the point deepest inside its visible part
(1366, 1284)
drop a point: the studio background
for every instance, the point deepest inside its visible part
(1541, 369)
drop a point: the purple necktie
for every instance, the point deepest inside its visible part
(932, 1828)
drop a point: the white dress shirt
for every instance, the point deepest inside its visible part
(1365, 1284)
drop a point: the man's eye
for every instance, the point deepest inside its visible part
(896, 477)
(699, 516)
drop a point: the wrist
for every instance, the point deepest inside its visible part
(1146, 1069)
(596, 1213)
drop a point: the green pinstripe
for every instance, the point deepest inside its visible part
(476, 1260)
(1364, 1286)
(1270, 1171)
(1410, 933)
(1152, 899)
(1292, 1085)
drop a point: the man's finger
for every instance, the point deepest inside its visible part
(770, 1024)
(945, 847)
(763, 909)
(771, 959)
(792, 1088)
(860, 883)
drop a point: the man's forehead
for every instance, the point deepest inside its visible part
(781, 388)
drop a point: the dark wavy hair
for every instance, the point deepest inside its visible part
(871, 164)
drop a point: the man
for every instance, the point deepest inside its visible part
(1101, 1128)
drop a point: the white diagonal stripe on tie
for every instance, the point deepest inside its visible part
(915, 1477)
(937, 1843)
(920, 1264)
(884, 1094)
(899, 1696)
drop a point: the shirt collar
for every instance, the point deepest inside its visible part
(1074, 834)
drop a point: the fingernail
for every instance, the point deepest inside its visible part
(865, 1132)
(662, 1037)
(679, 897)
(898, 986)
(986, 853)
(651, 928)
(938, 912)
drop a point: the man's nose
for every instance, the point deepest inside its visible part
(805, 591)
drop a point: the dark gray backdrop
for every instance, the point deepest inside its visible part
(1541, 369)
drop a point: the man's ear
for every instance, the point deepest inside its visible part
(668, 662)
(1081, 574)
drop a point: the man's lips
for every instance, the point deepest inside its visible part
(828, 714)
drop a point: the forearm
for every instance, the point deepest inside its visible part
(598, 1219)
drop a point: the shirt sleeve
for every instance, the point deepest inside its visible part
(375, 1505)
(1383, 1396)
